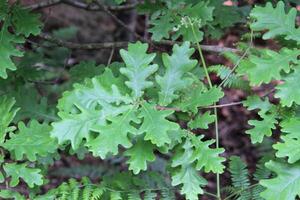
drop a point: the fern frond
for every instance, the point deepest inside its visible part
(87, 192)
(149, 195)
(97, 193)
(74, 187)
(115, 195)
(232, 80)
(167, 194)
(239, 173)
(133, 195)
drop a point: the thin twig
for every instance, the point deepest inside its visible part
(81, 5)
(118, 21)
(109, 45)
(239, 60)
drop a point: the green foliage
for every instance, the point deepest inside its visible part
(278, 187)
(16, 171)
(24, 24)
(177, 67)
(8, 113)
(276, 21)
(137, 68)
(31, 141)
(148, 111)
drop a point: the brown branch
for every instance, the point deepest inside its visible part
(86, 46)
(109, 45)
(77, 4)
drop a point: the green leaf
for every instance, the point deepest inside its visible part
(186, 173)
(8, 50)
(161, 27)
(98, 91)
(286, 92)
(276, 21)
(85, 69)
(202, 121)
(285, 185)
(76, 127)
(289, 147)
(206, 157)
(10, 194)
(177, 66)
(25, 23)
(199, 97)
(140, 154)
(255, 102)
(138, 67)
(7, 115)
(269, 66)
(20, 171)
(113, 134)
(32, 105)
(190, 180)
(158, 135)
(262, 128)
(31, 141)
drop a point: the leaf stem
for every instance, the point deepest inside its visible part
(218, 196)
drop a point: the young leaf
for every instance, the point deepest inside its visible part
(31, 141)
(276, 21)
(138, 67)
(285, 185)
(7, 115)
(20, 171)
(286, 92)
(175, 79)
(140, 154)
(158, 135)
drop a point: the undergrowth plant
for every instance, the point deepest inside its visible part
(145, 112)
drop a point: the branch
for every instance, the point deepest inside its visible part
(77, 4)
(109, 45)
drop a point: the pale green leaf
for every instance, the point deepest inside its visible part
(255, 102)
(138, 67)
(113, 134)
(177, 66)
(286, 185)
